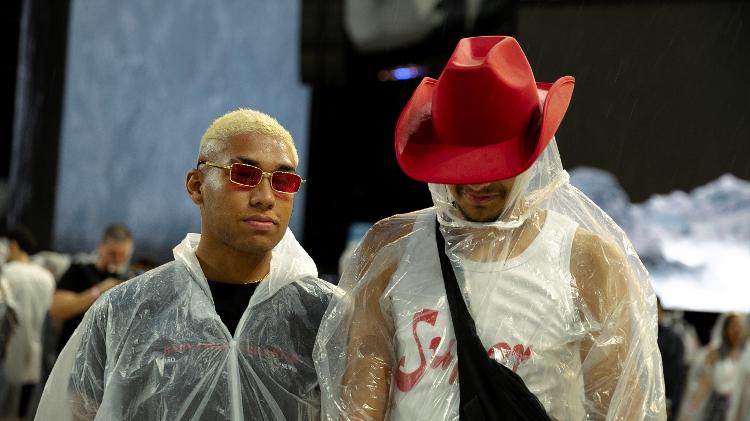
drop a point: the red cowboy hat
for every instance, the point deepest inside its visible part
(484, 119)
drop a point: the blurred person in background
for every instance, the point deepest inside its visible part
(83, 283)
(143, 265)
(29, 287)
(8, 323)
(714, 372)
(676, 321)
(739, 408)
(225, 331)
(514, 297)
(55, 262)
(672, 350)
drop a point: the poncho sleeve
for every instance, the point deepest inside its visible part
(75, 388)
(620, 358)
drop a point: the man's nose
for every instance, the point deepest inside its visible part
(262, 195)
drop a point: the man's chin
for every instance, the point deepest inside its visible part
(258, 245)
(481, 219)
(472, 215)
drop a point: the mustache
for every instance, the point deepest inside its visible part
(481, 191)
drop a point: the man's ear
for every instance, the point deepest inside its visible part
(13, 247)
(193, 183)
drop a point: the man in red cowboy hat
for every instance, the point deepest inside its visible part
(513, 287)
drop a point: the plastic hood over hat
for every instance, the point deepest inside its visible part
(555, 288)
(154, 348)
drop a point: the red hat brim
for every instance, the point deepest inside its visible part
(422, 157)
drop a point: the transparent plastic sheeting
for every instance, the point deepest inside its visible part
(154, 348)
(555, 288)
(739, 408)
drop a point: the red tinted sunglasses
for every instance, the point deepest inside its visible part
(250, 176)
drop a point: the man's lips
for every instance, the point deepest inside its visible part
(478, 198)
(260, 222)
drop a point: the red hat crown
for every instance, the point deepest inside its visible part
(486, 94)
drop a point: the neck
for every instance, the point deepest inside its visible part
(224, 264)
(19, 257)
(493, 243)
(101, 266)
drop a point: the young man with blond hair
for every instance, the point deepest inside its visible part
(226, 330)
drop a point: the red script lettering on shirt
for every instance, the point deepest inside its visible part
(502, 352)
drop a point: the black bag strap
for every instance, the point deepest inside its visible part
(489, 390)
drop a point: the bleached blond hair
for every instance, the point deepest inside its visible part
(243, 121)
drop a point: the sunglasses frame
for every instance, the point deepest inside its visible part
(263, 175)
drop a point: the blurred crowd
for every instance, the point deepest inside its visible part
(43, 297)
(705, 382)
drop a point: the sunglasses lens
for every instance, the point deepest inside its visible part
(286, 182)
(246, 174)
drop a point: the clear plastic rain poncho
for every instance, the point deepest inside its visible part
(555, 288)
(714, 372)
(739, 408)
(154, 348)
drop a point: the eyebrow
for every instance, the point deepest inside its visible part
(282, 167)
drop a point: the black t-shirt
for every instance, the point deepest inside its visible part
(231, 300)
(78, 278)
(672, 355)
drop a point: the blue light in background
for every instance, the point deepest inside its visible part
(404, 73)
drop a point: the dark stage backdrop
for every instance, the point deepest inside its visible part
(36, 117)
(353, 171)
(10, 16)
(661, 87)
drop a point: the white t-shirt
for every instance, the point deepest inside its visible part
(30, 289)
(524, 311)
(725, 375)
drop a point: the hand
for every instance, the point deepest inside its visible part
(712, 356)
(107, 284)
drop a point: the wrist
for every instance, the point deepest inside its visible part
(95, 292)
